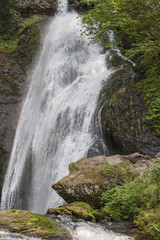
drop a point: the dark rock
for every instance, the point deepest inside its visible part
(40, 7)
(13, 88)
(88, 177)
(81, 5)
(124, 119)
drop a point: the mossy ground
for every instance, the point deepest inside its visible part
(31, 224)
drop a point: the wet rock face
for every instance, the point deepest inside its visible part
(41, 7)
(13, 88)
(81, 5)
(11, 83)
(124, 119)
(90, 176)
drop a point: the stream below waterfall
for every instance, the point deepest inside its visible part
(58, 124)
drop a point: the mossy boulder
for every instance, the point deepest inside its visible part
(124, 120)
(78, 209)
(32, 224)
(89, 177)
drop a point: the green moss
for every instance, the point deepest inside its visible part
(77, 209)
(26, 222)
(73, 167)
(116, 174)
(28, 22)
(113, 100)
(99, 215)
(150, 92)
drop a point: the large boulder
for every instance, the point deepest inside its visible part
(33, 225)
(40, 7)
(88, 177)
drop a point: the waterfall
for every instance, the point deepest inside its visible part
(56, 125)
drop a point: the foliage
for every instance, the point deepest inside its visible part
(149, 223)
(129, 200)
(9, 16)
(9, 41)
(135, 25)
(150, 91)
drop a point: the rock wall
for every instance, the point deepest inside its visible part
(13, 88)
(40, 7)
(124, 112)
(124, 120)
(80, 5)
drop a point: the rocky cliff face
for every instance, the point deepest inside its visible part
(13, 87)
(124, 112)
(124, 119)
(80, 5)
(40, 7)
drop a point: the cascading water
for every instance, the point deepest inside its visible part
(56, 123)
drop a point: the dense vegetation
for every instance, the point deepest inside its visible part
(138, 200)
(135, 25)
(9, 16)
(11, 25)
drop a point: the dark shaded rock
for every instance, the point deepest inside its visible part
(124, 119)
(89, 176)
(40, 7)
(81, 5)
(33, 225)
(77, 209)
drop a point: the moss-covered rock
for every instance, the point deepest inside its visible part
(124, 119)
(77, 209)
(91, 176)
(32, 224)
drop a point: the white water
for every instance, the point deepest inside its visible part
(56, 125)
(14, 236)
(91, 231)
